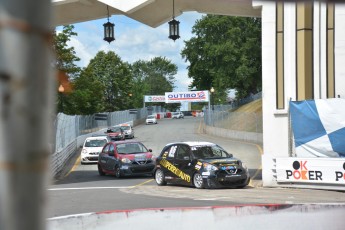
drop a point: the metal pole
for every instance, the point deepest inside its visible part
(209, 110)
(27, 99)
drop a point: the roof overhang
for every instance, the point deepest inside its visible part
(150, 12)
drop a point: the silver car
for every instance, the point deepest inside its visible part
(151, 119)
(177, 115)
(128, 130)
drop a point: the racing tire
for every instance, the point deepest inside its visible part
(118, 172)
(100, 171)
(159, 177)
(198, 181)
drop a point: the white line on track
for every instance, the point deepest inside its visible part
(86, 188)
(210, 198)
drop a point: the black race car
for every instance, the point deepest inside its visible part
(200, 164)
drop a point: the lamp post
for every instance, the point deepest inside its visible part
(61, 91)
(212, 91)
(130, 99)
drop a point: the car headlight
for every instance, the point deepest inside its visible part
(126, 160)
(153, 158)
(84, 151)
(243, 165)
(209, 167)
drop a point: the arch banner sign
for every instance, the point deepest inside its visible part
(190, 96)
(154, 98)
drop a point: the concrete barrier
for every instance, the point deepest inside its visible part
(311, 216)
(234, 134)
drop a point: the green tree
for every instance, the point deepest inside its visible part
(225, 53)
(116, 79)
(87, 96)
(154, 77)
(65, 58)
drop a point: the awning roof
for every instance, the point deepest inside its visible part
(150, 12)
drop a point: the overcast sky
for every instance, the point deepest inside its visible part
(136, 41)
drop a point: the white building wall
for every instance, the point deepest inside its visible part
(289, 52)
(317, 50)
(321, 92)
(276, 140)
(275, 128)
(340, 50)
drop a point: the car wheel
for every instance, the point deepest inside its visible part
(117, 172)
(100, 171)
(198, 181)
(159, 177)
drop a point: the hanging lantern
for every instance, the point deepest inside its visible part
(108, 30)
(174, 30)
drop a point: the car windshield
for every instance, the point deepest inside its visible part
(130, 148)
(125, 127)
(209, 151)
(151, 117)
(176, 113)
(95, 143)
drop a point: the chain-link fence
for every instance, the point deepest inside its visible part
(239, 121)
(221, 116)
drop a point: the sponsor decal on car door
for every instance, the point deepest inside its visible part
(183, 162)
(167, 163)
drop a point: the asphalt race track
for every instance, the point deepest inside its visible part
(81, 190)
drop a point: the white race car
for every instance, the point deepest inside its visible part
(91, 148)
(151, 119)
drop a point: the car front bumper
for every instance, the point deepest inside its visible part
(133, 170)
(89, 158)
(226, 181)
(129, 135)
(117, 138)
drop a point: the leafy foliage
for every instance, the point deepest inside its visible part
(225, 53)
(65, 55)
(88, 95)
(108, 84)
(65, 58)
(115, 77)
(154, 77)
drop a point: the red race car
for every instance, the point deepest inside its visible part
(125, 158)
(115, 133)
